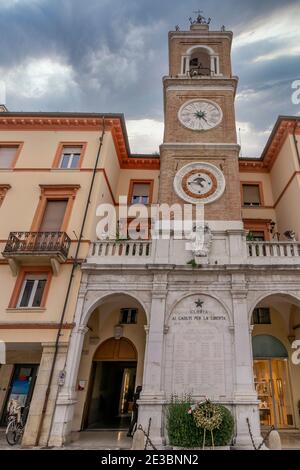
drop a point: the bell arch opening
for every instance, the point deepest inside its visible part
(200, 61)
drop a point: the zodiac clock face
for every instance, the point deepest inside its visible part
(199, 183)
(200, 115)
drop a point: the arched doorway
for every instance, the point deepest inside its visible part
(112, 384)
(272, 381)
(275, 319)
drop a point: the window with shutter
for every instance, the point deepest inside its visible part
(8, 155)
(251, 195)
(70, 157)
(53, 216)
(140, 193)
(32, 291)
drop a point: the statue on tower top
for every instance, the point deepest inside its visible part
(200, 19)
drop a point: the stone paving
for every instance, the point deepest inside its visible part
(115, 440)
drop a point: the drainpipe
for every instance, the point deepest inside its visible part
(295, 141)
(74, 266)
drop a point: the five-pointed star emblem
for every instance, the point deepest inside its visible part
(199, 303)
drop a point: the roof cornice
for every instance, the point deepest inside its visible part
(284, 126)
(115, 123)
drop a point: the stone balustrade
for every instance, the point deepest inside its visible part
(281, 252)
(121, 250)
(174, 252)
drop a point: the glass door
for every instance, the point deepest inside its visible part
(282, 393)
(273, 391)
(21, 386)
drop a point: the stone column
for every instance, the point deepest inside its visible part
(67, 397)
(245, 397)
(38, 398)
(152, 397)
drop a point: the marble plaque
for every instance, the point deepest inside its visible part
(195, 348)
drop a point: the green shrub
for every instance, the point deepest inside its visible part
(182, 429)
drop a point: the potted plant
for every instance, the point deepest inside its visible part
(204, 425)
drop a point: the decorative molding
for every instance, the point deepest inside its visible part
(35, 326)
(189, 145)
(81, 329)
(199, 88)
(283, 128)
(212, 34)
(51, 192)
(3, 190)
(115, 125)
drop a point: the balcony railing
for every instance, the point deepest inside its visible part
(198, 71)
(275, 250)
(125, 248)
(37, 243)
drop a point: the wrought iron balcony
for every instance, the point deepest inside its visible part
(47, 244)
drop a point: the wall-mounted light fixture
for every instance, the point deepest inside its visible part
(290, 235)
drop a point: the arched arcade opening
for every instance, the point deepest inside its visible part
(276, 325)
(111, 364)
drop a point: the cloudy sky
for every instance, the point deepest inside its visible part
(110, 56)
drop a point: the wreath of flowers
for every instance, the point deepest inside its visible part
(208, 416)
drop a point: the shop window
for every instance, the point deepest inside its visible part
(251, 195)
(261, 316)
(128, 316)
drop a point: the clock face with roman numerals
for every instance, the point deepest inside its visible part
(200, 115)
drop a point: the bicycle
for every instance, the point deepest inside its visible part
(15, 427)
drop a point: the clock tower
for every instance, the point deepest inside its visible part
(199, 154)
